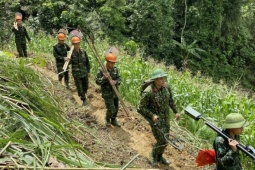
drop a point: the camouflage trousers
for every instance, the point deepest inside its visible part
(112, 106)
(161, 144)
(82, 85)
(22, 49)
(65, 74)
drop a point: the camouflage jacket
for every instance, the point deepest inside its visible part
(226, 158)
(106, 87)
(157, 103)
(21, 35)
(80, 63)
(60, 51)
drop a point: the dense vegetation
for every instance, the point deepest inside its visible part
(215, 38)
(214, 101)
(205, 37)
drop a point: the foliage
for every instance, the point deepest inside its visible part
(32, 126)
(131, 47)
(152, 27)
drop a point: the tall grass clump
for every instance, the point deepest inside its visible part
(32, 127)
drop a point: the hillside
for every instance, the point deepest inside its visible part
(114, 145)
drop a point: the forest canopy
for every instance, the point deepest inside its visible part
(215, 38)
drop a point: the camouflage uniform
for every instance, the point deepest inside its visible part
(108, 94)
(80, 70)
(59, 52)
(226, 158)
(20, 40)
(157, 103)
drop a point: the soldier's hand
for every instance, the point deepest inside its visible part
(155, 118)
(106, 75)
(15, 25)
(113, 82)
(232, 143)
(178, 116)
(66, 58)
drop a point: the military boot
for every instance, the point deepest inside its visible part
(153, 160)
(164, 160)
(108, 122)
(67, 85)
(115, 122)
(84, 103)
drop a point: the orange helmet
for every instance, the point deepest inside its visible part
(111, 57)
(61, 36)
(75, 40)
(18, 17)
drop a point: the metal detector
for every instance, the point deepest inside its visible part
(248, 150)
(171, 139)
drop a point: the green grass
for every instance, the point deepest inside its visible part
(214, 101)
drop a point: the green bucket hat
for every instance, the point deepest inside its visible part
(234, 120)
(158, 73)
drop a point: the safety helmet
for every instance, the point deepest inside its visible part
(111, 57)
(62, 30)
(75, 40)
(18, 17)
(234, 120)
(76, 33)
(158, 73)
(61, 36)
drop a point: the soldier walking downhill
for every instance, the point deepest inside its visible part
(60, 53)
(108, 94)
(21, 34)
(154, 107)
(80, 67)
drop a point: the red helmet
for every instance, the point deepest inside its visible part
(111, 57)
(61, 36)
(76, 40)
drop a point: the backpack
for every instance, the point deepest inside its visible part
(145, 84)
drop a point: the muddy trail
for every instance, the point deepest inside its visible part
(113, 145)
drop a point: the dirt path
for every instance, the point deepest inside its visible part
(114, 145)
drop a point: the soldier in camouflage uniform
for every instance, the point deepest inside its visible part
(154, 107)
(21, 34)
(60, 53)
(108, 94)
(227, 154)
(80, 69)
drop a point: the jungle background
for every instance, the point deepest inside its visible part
(206, 46)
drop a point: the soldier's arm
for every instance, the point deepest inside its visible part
(14, 30)
(87, 62)
(100, 77)
(26, 34)
(171, 101)
(56, 54)
(144, 106)
(225, 156)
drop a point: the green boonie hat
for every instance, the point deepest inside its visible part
(234, 120)
(158, 73)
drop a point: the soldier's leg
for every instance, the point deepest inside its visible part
(66, 75)
(160, 146)
(85, 84)
(78, 84)
(24, 49)
(59, 69)
(19, 49)
(109, 103)
(84, 81)
(116, 105)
